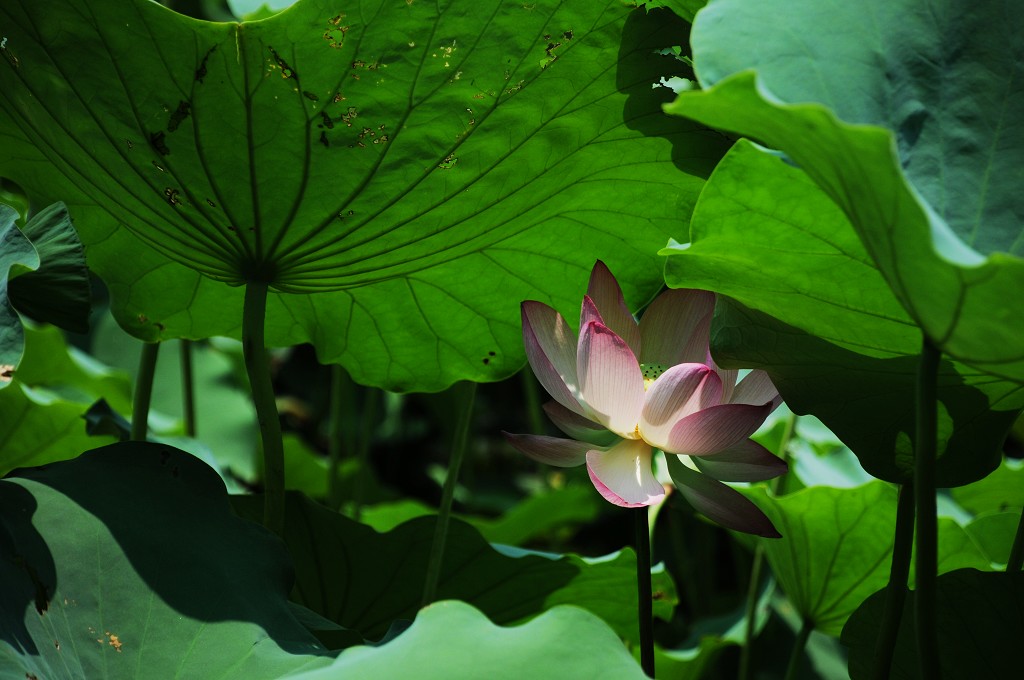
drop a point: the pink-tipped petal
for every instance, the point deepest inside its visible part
(611, 383)
(550, 450)
(728, 376)
(551, 350)
(757, 389)
(607, 297)
(622, 474)
(718, 502)
(748, 461)
(715, 429)
(675, 328)
(589, 312)
(578, 427)
(677, 393)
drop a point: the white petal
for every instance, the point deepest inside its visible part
(611, 383)
(623, 475)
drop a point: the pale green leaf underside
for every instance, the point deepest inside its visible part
(432, 166)
(453, 640)
(925, 157)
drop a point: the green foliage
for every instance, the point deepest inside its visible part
(363, 580)
(421, 170)
(41, 413)
(812, 310)
(940, 220)
(990, 603)
(127, 562)
(42, 275)
(453, 640)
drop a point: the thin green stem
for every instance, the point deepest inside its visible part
(645, 600)
(798, 649)
(926, 561)
(339, 437)
(373, 397)
(777, 487)
(188, 393)
(144, 391)
(1016, 559)
(257, 365)
(532, 396)
(465, 395)
(896, 591)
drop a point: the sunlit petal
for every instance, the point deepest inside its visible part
(757, 389)
(578, 427)
(623, 475)
(718, 502)
(550, 450)
(551, 350)
(610, 380)
(675, 327)
(677, 393)
(607, 297)
(747, 461)
(715, 429)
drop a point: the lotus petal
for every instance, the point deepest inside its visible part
(676, 326)
(623, 475)
(550, 450)
(715, 429)
(610, 380)
(678, 392)
(607, 297)
(551, 350)
(748, 461)
(718, 502)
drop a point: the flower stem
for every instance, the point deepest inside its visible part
(532, 396)
(777, 486)
(798, 649)
(188, 394)
(369, 417)
(465, 393)
(144, 391)
(257, 365)
(1016, 559)
(645, 599)
(896, 591)
(926, 560)
(339, 438)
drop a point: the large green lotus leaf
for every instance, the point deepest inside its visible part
(835, 548)
(453, 641)
(430, 166)
(905, 114)
(128, 562)
(364, 580)
(809, 306)
(978, 622)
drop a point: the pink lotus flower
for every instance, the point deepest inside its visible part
(622, 390)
